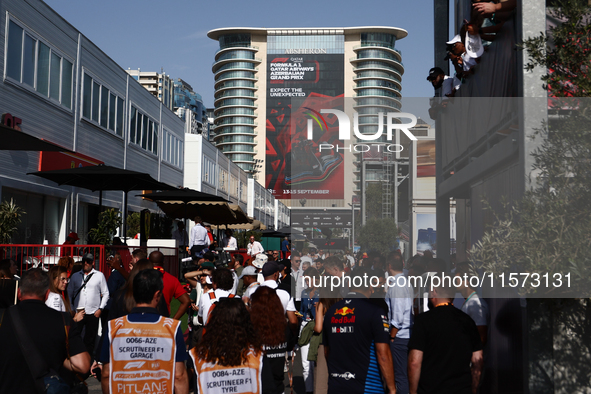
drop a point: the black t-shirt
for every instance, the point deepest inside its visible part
(351, 329)
(45, 327)
(447, 337)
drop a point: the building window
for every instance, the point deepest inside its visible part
(209, 175)
(31, 62)
(223, 180)
(143, 131)
(172, 149)
(101, 106)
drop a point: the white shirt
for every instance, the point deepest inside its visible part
(198, 236)
(284, 297)
(93, 296)
(207, 302)
(469, 61)
(400, 301)
(477, 309)
(55, 301)
(229, 243)
(299, 286)
(236, 280)
(254, 248)
(251, 289)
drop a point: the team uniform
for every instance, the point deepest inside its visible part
(142, 349)
(351, 329)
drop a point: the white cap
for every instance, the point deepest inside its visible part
(474, 46)
(250, 270)
(260, 260)
(457, 38)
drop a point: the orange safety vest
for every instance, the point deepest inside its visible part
(218, 379)
(142, 356)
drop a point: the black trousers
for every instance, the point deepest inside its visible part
(196, 249)
(90, 323)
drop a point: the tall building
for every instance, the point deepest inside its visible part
(188, 106)
(159, 84)
(264, 81)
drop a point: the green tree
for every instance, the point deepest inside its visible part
(380, 235)
(373, 200)
(109, 222)
(549, 229)
(10, 217)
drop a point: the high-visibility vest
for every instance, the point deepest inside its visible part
(217, 379)
(142, 356)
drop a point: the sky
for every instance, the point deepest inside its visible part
(172, 34)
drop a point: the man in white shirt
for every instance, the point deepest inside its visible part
(88, 289)
(229, 241)
(271, 272)
(254, 247)
(199, 239)
(249, 277)
(296, 274)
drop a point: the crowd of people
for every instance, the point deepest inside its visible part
(247, 319)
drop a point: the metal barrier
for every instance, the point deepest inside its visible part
(171, 256)
(29, 256)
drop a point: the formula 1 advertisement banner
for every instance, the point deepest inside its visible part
(294, 166)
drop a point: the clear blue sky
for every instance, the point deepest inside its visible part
(172, 34)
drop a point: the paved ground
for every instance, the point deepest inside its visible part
(298, 381)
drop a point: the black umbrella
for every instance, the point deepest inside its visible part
(104, 177)
(17, 140)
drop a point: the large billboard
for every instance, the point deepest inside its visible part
(294, 166)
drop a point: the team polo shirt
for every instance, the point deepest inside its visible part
(351, 329)
(146, 315)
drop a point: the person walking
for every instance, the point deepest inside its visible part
(31, 327)
(88, 290)
(144, 349)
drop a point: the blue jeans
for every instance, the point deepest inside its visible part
(399, 349)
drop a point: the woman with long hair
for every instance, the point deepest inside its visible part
(328, 298)
(268, 319)
(229, 352)
(58, 297)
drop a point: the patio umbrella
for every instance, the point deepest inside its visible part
(17, 140)
(188, 203)
(102, 177)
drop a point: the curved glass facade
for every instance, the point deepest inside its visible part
(235, 111)
(377, 78)
(235, 101)
(237, 54)
(378, 39)
(235, 81)
(235, 138)
(230, 66)
(234, 120)
(235, 93)
(234, 40)
(235, 74)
